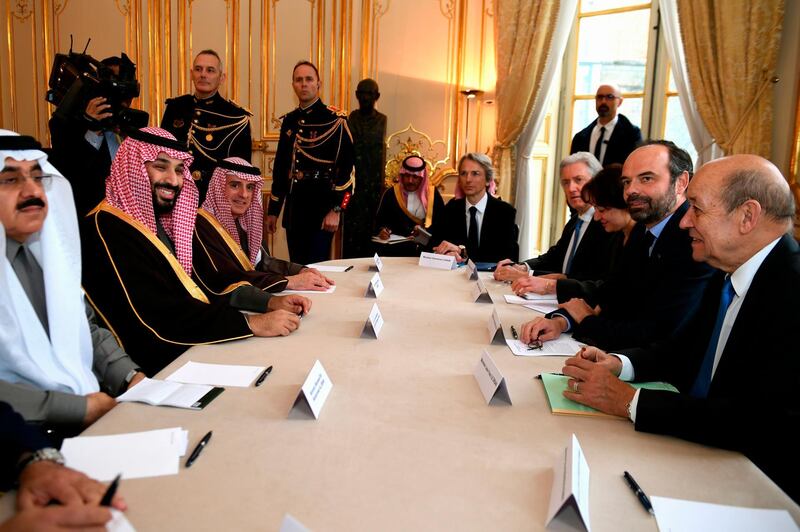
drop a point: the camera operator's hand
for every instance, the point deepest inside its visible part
(97, 109)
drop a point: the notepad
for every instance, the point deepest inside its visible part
(691, 516)
(555, 385)
(162, 393)
(216, 374)
(393, 239)
(136, 454)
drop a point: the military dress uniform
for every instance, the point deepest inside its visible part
(312, 173)
(214, 128)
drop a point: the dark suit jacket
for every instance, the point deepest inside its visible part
(623, 141)
(587, 289)
(592, 258)
(752, 404)
(646, 298)
(16, 438)
(498, 230)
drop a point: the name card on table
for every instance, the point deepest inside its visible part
(372, 327)
(472, 270)
(480, 294)
(291, 524)
(313, 393)
(375, 286)
(496, 335)
(434, 260)
(378, 266)
(569, 498)
(490, 380)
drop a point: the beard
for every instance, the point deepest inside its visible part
(161, 205)
(654, 209)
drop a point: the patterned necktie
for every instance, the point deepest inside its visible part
(599, 144)
(703, 381)
(575, 235)
(472, 236)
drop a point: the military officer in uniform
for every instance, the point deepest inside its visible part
(213, 127)
(312, 172)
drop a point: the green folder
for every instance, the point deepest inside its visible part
(555, 385)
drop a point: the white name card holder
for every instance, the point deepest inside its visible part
(472, 270)
(480, 294)
(569, 498)
(378, 266)
(491, 382)
(496, 336)
(312, 394)
(375, 286)
(374, 324)
(439, 262)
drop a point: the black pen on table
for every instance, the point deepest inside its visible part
(263, 376)
(348, 268)
(198, 449)
(108, 496)
(634, 486)
(514, 333)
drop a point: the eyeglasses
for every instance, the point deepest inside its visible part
(535, 344)
(607, 97)
(13, 182)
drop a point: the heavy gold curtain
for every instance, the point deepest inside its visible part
(731, 51)
(523, 31)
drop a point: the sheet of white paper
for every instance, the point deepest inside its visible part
(329, 268)
(392, 239)
(511, 299)
(330, 290)
(542, 306)
(216, 374)
(564, 345)
(119, 523)
(291, 524)
(690, 516)
(136, 455)
(163, 393)
(532, 296)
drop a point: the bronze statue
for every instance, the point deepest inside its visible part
(368, 127)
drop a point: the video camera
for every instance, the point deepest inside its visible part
(76, 78)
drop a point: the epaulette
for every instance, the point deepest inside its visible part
(243, 108)
(337, 111)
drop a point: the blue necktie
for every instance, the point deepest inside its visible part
(575, 234)
(703, 381)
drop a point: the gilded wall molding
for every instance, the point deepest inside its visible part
(22, 9)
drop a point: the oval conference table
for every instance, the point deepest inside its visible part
(405, 440)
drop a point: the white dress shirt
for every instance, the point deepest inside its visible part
(607, 135)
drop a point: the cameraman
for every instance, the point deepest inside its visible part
(83, 147)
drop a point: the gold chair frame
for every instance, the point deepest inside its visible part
(410, 141)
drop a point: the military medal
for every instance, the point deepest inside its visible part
(209, 137)
(178, 123)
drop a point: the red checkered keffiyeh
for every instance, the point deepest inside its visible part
(128, 189)
(252, 221)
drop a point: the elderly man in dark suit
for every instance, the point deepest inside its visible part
(736, 362)
(611, 137)
(582, 252)
(477, 225)
(658, 285)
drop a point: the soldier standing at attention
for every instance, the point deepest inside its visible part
(312, 171)
(214, 128)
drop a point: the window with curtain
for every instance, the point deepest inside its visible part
(618, 41)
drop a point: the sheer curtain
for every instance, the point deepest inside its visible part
(526, 189)
(707, 149)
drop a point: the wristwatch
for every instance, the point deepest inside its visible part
(337, 209)
(49, 454)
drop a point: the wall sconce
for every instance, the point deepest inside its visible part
(469, 94)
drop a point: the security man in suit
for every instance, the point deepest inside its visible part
(611, 137)
(213, 127)
(736, 363)
(312, 172)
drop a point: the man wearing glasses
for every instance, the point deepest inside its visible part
(611, 137)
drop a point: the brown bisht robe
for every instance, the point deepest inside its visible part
(221, 267)
(145, 297)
